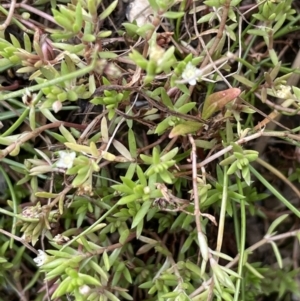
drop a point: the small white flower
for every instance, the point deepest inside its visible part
(41, 258)
(284, 91)
(66, 159)
(190, 74)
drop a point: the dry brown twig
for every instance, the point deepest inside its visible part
(242, 140)
(265, 240)
(11, 11)
(21, 240)
(29, 8)
(219, 34)
(29, 135)
(197, 212)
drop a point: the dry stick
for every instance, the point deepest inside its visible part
(197, 212)
(213, 64)
(169, 145)
(62, 194)
(91, 126)
(110, 141)
(219, 34)
(43, 232)
(264, 115)
(154, 103)
(191, 88)
(118, 245)
(152, 145)
(292, 81)
(295, 255)
(275, 115)
(265, 240)
(21, 240)
(281, 176)
(172, 261)
(280, 108)
(27, 136)
(242, 141)
(32, 10)
(9, 16)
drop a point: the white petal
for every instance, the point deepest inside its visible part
(60, 163)
(66, 159)
(72, 155)
(62, 154)
(40, 259)
(192, 82)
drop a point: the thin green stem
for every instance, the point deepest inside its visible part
(237, 225)
(274, 191)
(52, 82)
(107, 213)
(179, 20)
(246, 64)
(9, 115)
(17, 123)
(223, 211)
(18, 216)
(242, 240)
(15, 205)
(13, 163)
